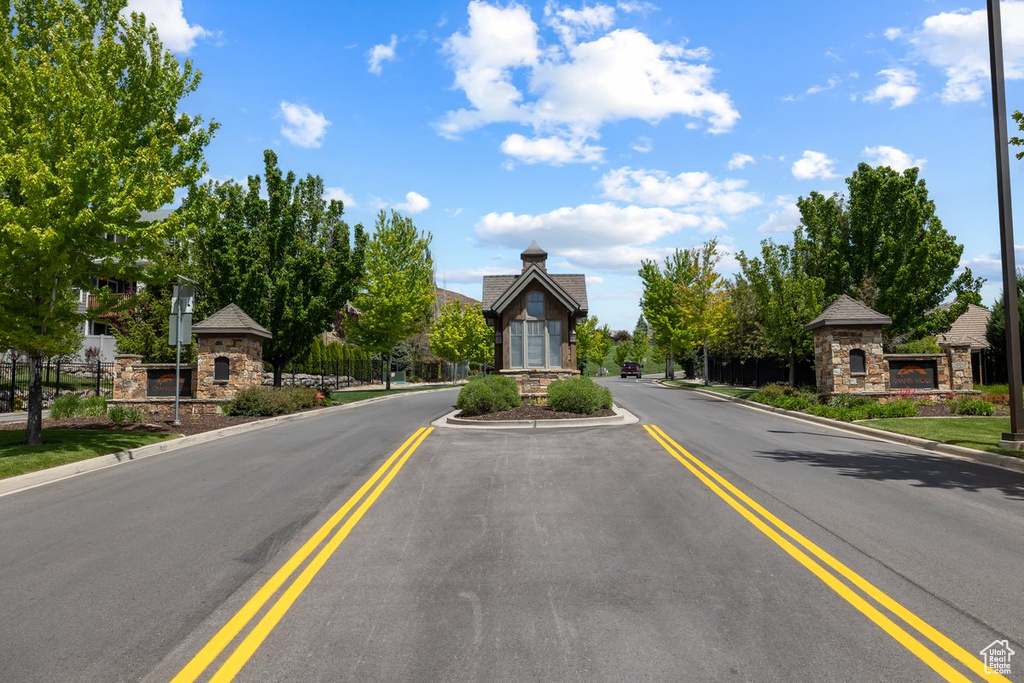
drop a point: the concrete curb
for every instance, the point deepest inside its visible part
(34, 479)
(1005, 461)
(621, 417)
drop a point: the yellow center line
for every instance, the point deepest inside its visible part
(256, 637)
(227, 633)
(889, 603)
(939, 665)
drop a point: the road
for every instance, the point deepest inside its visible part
(537, 555)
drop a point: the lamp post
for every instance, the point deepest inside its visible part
(1014, 439)
(181, 302)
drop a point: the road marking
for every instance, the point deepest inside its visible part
(903, 637)
(223, 638)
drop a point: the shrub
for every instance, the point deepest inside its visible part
(579, 395)
(67, 405)
(785, 397)
(94, 406)
(923, 345)
(122, 414)
(848, 401)
(970, 406)
(268, 401)
(489, 394)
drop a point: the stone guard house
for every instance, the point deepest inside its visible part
(534, 316)
(849, 358)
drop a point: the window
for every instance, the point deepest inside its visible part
(515, 333)
(857, 364)
(221, 369)
(554, 343)
(535, 305)
(535, 343)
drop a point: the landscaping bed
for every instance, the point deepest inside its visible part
(532, 412)
(190, 424)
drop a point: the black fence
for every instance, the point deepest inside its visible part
(85, 379)
(755, 372)
(341, 374)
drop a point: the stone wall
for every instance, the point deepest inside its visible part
(130, 377)
(958, 356)
(245, 357)
(163, 408)
(534, 383)
(832, 346)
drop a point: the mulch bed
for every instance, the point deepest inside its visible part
(531, 412)
(190, 424)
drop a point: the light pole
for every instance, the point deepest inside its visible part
(180, 303)
(1014, 439)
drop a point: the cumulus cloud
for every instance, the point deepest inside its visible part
(168, 16)
(302, 126)
(814, 166)
(738, 161)
(552, 150)
(570, 90)
(472, 276)
(414, 203)
(896, 159)
(694, 191)
(785, 218)
(643, 144)
(382, 53)
(340, 195)
(833, 81)
(900, 87)
(957, 43)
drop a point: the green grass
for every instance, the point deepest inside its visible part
(738, 392)
(981, 433)
(63, 446)
(340, 397)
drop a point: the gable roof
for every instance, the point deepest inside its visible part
(446, 295)
(570, 290)
(231, 320)
(969, 328)
(847, 311)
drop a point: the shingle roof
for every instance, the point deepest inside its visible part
(573, 285)
(968, 328)
(445, 295)
(231, 320)
(847, 311)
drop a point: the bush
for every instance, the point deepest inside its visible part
(268, 401)
(94, 406)
(970, 406)
(580, 395)
(848, 401)
(489, 394)
(785, 397)
(923, 345)
(122, 414)
(67, 405)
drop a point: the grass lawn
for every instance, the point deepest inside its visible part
(62, 446)
(982, 433)
(738, 392)
(340, 397)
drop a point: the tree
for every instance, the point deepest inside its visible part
(603, 344)
(287, 259)
(586, 340)
(398, 291)
(90, 137)
(621, 353)
(885, 246)
(641, 341)
(787, 297)
(746, 337)
(995, 331)
(460, 334)
(660, 305)
(1015, 140)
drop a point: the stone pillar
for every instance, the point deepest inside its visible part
(244, 355)
(129, 377)
(958, 360)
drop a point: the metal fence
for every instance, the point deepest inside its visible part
(756, 372)
(86, 379)
(341, 374)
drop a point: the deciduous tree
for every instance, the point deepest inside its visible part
(91, 135)
(460, 334)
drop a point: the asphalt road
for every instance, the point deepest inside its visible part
(535, 555)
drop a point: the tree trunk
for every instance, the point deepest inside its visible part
(707, 370)
(387, 381)
(278, 371)
(792, 366)
(34, 426)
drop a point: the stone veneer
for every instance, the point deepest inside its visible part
(832, 346)
(245, 362)
(958, 356)
(534, 383)
(130, 378)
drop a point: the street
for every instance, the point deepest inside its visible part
(710, 542)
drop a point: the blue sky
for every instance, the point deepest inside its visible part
(609, 132)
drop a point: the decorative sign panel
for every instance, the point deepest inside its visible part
(913, 374)
(161, 382)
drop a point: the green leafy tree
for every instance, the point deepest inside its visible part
(603, 345)
(1016, 140)
(460, 334)
(787, 297)
(621, 353)
(586, 341)
(91, 136)
(398, 293)
(885, 246)
(746, 337)
(287, 258)
(641, 342)
(143, 327)
(995, 331)
(660, 305)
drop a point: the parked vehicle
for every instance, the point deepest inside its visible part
(630, 369)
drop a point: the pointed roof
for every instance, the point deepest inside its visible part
(534, 250)
(516, 284)
(847, 311)
(968, 328)
(231, 320)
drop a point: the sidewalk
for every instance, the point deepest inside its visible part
(19, 417)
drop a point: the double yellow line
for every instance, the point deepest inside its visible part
(733, 496)
(259, 633)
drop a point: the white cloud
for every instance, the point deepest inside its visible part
(553, 150)
(814, 166)
(643, 144)
(900, 87)
(739, 160)
(894, 158)
(303, 126)
(340, 195)
(595, 280)
(785, 219)
(569, 91)
(815, 89)
(694, 191)
(623, 259)
(168, 16)
(382, 53)
(957, 43)
(414, 203)
(473, 275)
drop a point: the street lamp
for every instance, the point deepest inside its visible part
(182, 304)
(1014, 439)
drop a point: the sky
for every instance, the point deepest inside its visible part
(609, 132)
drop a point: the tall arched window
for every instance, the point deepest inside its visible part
(857, 361)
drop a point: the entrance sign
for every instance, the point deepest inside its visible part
(913, 374)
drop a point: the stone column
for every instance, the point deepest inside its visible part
(958, 360)
(129, 378)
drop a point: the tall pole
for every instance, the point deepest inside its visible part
(178, 304)
(1015, 438)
